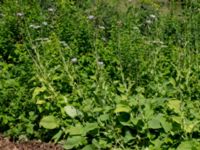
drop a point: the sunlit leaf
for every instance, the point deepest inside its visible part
(154, 124)
(90, 126)
(122, 108)
(175, 105)
(185, 145)
(37, 91)
(49, 122)
(74, 142)
(71, 111)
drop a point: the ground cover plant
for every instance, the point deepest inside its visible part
(101, 74)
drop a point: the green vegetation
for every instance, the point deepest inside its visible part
(104, 74)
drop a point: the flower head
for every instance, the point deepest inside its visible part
(50, 9)
(152, 16)
(100, 63)
(90, 17)
(74, 60)
(44, 23)
(20, 14)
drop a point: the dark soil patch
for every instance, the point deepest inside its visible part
(6, 144)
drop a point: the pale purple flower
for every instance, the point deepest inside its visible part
(19, 14)
(44, 23)
(50, 9)
(34, 26)
(90, 17)
(74, 60)
(100, 63)
(152, 16)
(148, 21)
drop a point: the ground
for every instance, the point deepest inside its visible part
(6, 144)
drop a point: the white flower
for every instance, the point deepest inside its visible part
(64, 43)
(74, 60)
(100, 63)
(19, 14)
(152, 16)
(50, 9)
(44, 23)
(90, 17)
(34, 26)
(148, 21)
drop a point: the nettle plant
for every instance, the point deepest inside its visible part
(93, 78)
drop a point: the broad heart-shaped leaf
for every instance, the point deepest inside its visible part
(88, 147)
(154, 124)
(167, 126)
(49, 122)
(186, 145)
(71, 111)
(77, 130)
(175, 105)
(122, 108)
(74, 142)
(90, 126)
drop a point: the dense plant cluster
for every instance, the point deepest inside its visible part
(101, 74)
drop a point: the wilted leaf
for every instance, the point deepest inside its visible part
(49, 122)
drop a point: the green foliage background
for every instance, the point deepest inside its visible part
(101, 74)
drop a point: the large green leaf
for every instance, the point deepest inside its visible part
(88, 147)
(90, 126)
(74, 142)
(72, 111)
(154, 124)
(186, 145)
(175, 105)
(49, 122)
(122, 108)
(77, 130)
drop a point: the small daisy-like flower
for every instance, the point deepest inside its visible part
(90, 17)
(19, 14)
(74, 60)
